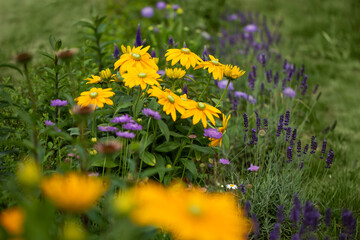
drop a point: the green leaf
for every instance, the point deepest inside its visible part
(190, 165)
(58, 45)
(164, 129)
(52, 41)
(101, 161)
(197, 155)
(74, 131)
(86, 23)
(123, 103)
(167, 147)
(199, 148)
(45, 54)
(175, 134)
(13, 66)
(226, 141)
(148, 158)
(160, 166)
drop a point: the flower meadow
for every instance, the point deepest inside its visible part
(165, 130)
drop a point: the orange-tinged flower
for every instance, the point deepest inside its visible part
(169, 100)
(214, 142)
(184, 55)
(214, 67)
(141, 76)
(135, 57)
(12, 220)
(200, 111)
(232, 72)
(96, 97)
(73, 192)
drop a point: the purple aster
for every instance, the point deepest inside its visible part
(161, 5)
(224, 161)
(289, 92)
(176, 6)
(150, 113)
(49, 123)
(132, 126)
(222, 84)
(125, 134)
(212, 133)
(107, 129)
(250, 28)
(147, 12)
(161, 72)
(58, 103)
(122, 119)
(252, 100)
(239, 95)
(253, 168)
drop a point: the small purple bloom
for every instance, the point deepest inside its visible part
(212, 133)
(161, 72)
(252, 100)
(280, 125)
(242, 188)
(250, 28)
(49, 123)
(348, 221)
(222, 84)
(129, 135)
(313, 145)
(147, 12)
(171, 41)
(138, 41)
(132, 126)
(253, 168)
(299, 148)
(232, 17)
(224, 161)
(153, 53)
(296, 211)
(175, 6)
(289, 92)
(185, 89)
(288, 132)
(116, 51)
(161, 5)
(311, 218)
(58, 103)
(107, 129)
(287, 118)
(239, 95)
(122, 119)
(323, 149)
(150, 113)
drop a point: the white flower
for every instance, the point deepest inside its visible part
(231, 186)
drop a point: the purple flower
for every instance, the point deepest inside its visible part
(288, 132)
(224, 161)
(287, 117)
(58, 103)
(107, 129)
(295, 211)
(280, 214)
(138, 41)
(147, 12)
(306, 148)
(348, 221)
(161, 72)
(299, 148)
(250, 28)
(323, 149)
(212, 133)
(289, 154)
(122, 119)
(262, 59)
(274, 234)
(222, 84)
(311, 218)
(296, 236)
(49, 123)
(252, 100)
(246, 123)
(239, 95)
(175, 6)
(327, 219)
(132, 126)
(289, 92)
(242, 188)
(116, 51)
(254, 138)
(280, 125)
(330, 158)
(150, 113)
(313, 145)
(161, 5)
(266, 123)
(129, 135)
(253, 168)
(232, 17)
(171, 41)
(185, 89)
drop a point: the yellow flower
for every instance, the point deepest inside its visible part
(141, 76)
(189, 213)
(93, 79)
(73, 192)
(169, 100)
(28, 173)
(72, 230)
(105, 74)
(12, 220)
(175, 73)
(233, 72)
(214, 142)
(200, 111)
(184, 55)
(214, 67)
(135, 57)
(96, 97)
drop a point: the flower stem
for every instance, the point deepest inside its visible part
(206, 87)
(222, 96)
(136, 103)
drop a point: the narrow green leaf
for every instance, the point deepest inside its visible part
(164, 129)
(45, 54)
(103, 161)
(190, 165)
(13, 66)
(167, 147)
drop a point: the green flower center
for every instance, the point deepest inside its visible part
(195, 210)
(135, 56)
(215, 62)
(185, 50)
(142, 75)
(93, 94)
(171, 98)
(201, 106)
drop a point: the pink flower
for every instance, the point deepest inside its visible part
(253, 168)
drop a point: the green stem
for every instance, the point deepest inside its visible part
(182, 146)
(206, 87)
(222, 96)
(136, 103)
(142, 155)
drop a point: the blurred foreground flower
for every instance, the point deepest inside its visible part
(28, 173)
(12, 220)
(73, 192)
(186, 214)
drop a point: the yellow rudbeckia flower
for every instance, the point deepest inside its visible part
(12, 220)
(214, 142)
(184, 55)
(96, 97)
(200, 111)
(232, 72)
(141, 76)
(175, 73)
(213, 66)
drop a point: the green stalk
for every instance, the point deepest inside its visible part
(222, 96)
(136, 103)
(182, 146)
(206, 87)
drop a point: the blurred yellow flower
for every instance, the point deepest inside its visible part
(214, 142)
(184, 55)
(12, 220)
(135, 57)
(200, 111)
(28, 173)
(73, 192)
(73, 230)
(213, 66)
(175, 73)
(141, 77)
(96, 97)
(232, 72)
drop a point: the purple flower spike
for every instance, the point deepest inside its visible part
(253, 168)
(289, 154)
(239, 95)
(185, 89)
(171, 41)
(280, 126)
(275, 233)
(212, 133)
(147, 12)
(250, 28)
(327, 219)
(58, 103)
(306, 148)
(299, 148)
(129, 135)
(161, 5)
(49, 123)
(311, 218)
(289, 92)
(295, 211)
(150, 113)
(122, 119)
(349, 222)
(313, 145)
(246, 123)
(107, 129)
(116, 51)
(224, 161)
(330, 158)
(323, 149)
(287, 118)
(138, 41)
(133, 126)
(153, 53)
(280, 214)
